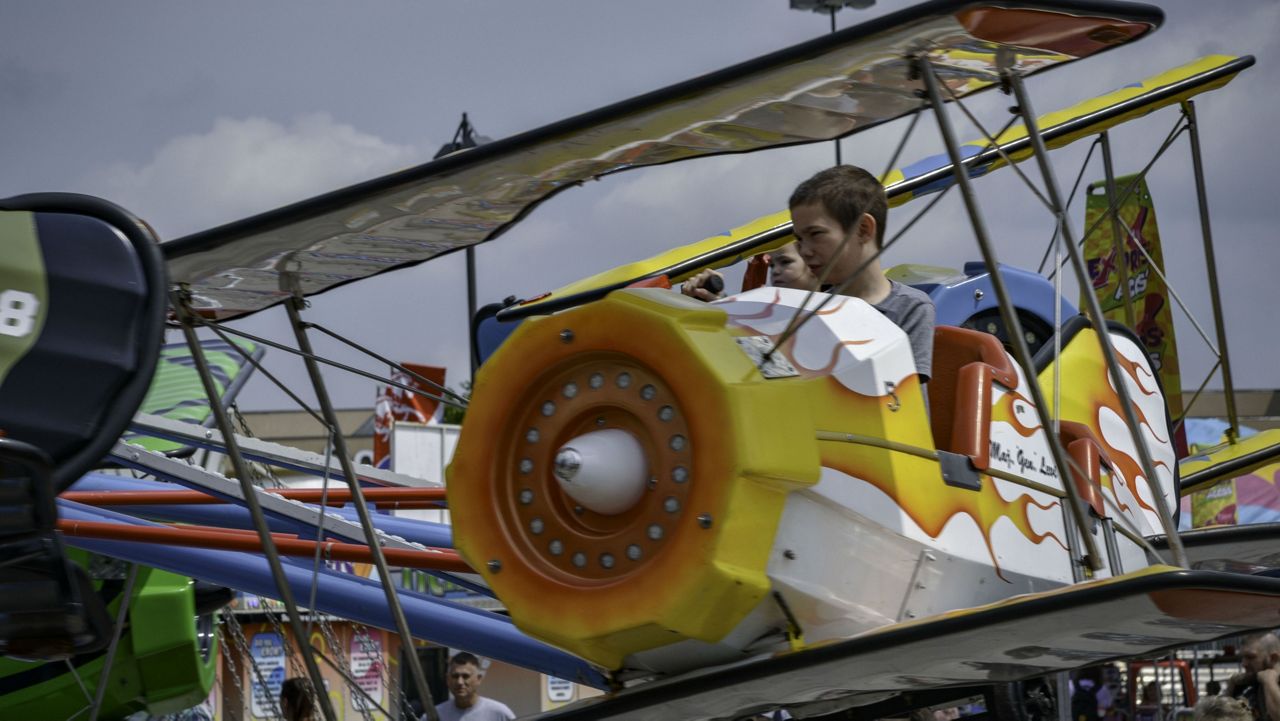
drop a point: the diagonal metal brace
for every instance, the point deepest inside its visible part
(267, 452)
(199, 479)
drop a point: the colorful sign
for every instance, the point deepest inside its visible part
(177, 392)
(366, 668)
(357, 661)
(1215, 506)
(397, 404)
(267, 649)
(1147, 295)
(559, 690)
(1251, 497)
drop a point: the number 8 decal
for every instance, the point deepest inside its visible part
(17, 312)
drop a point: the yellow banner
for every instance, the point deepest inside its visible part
(1214, 506)
(1149, 312)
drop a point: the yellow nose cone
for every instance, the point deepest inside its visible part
(720, 446)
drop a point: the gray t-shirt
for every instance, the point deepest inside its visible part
(913, 312)
(484, 709)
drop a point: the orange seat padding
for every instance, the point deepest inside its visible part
(965, 362)
(1083, 448)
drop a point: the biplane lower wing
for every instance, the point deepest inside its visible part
(1032, 635)
(1229, 548)
(1231, 460)
(928, 175)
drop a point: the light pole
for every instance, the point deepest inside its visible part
(831, 7)
(463, 138)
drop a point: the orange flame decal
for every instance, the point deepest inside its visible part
(915, 484)
(1004, 410)
(831, 364)
(833, 309)
(1133, 368)
(1125, 463)
(766, 312)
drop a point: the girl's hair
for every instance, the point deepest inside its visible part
(296, 700)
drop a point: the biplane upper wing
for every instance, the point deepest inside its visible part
(1136, 614)
(928, 175)
(828, 88)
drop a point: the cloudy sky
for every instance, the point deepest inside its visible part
(195, 114)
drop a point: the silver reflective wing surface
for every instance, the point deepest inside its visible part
(828, 88)
(1134, 615)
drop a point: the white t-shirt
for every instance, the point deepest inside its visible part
(484, 709)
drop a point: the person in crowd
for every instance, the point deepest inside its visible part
(1222, 708)
(1213, 688)
(1084, 699)
(464, 677)
(297, 703)
(1150, 703)
(1259, 683)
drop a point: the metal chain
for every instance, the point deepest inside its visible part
(344, 668)
(292, 660)
(388, 681)
(338, 660)
(257, 672)
(295, 661)
(228, 620)
(320, 536)
(261, 471)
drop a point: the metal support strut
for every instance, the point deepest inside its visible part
(121, 614)
(1009, 316)
(292, 307)
(187, 321)
(1095, 315)
(1211, 267)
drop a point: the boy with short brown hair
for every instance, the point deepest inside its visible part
(838, 217)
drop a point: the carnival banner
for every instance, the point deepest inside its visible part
(1151, 315)
(396, 404)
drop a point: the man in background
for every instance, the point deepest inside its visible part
(464, 677)
(1259, 683)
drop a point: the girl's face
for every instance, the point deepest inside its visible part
(787, 269)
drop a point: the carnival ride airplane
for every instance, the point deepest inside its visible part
(727, 509)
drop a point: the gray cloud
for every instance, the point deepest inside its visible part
(244, 166)
(194, 115)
